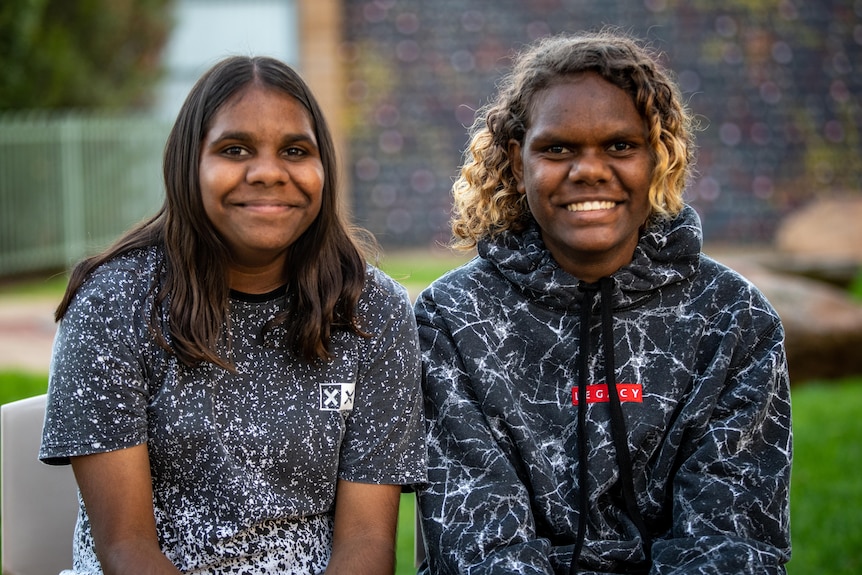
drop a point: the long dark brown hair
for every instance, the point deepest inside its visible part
(326, 263)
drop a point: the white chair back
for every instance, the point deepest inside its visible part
(38, 503)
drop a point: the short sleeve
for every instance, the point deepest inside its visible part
(97, 392)
(385, 436)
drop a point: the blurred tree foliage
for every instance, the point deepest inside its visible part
(81, 53)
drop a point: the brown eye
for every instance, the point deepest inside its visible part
(620, 147)
(233, 151)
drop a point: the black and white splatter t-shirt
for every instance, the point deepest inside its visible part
(244, 465)
(701, 372)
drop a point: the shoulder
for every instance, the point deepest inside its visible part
(385, 314)
(729, 293)
(724, 280)
(383, 299)
(136, 263)
(113, 305)
(125, 278)
(470, 285)
(381, 289)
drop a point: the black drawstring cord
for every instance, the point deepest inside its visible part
(618, 423)
(618, 426)
(583, 472)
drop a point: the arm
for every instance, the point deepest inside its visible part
(384, 441)
(366, 517)
(476, 513)
(117, 491)
(731, 493)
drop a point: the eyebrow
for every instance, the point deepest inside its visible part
(295, 138)
(554, 135)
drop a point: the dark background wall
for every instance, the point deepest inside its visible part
(776, 85)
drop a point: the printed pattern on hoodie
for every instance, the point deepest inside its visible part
(710, 441)
(244, 465)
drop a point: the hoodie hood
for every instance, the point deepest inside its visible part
(667, 252)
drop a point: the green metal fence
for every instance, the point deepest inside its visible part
(70, 184)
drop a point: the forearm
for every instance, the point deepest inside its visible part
(117, 491)
(366, 517)
(476, 511)
(732, 510)
(134, 558)
(502, 540)
(363, 556)
(727, 554)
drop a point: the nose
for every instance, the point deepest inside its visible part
(266, 169)
(589, 168)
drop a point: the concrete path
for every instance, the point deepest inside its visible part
(26, 333)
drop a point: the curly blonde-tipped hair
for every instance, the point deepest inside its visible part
(486, 199)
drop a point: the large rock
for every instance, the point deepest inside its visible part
(822, 240)
(823, 324)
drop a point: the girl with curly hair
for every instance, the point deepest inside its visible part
(601, 396)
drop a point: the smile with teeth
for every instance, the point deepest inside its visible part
(590, 206)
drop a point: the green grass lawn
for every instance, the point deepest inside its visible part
(415, 270)
(15, 385)
(826, 485)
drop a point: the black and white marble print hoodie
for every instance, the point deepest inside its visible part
(685, 469)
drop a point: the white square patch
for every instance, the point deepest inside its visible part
(336, 396)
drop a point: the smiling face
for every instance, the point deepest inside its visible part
(261, 181)
(585, 167)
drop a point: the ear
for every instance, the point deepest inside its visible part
(516, 163)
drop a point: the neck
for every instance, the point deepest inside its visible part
(256, 280)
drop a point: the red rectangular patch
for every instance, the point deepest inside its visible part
(598, 393)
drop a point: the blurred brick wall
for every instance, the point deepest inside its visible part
(776, 84)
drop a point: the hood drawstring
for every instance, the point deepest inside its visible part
(618, 425)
